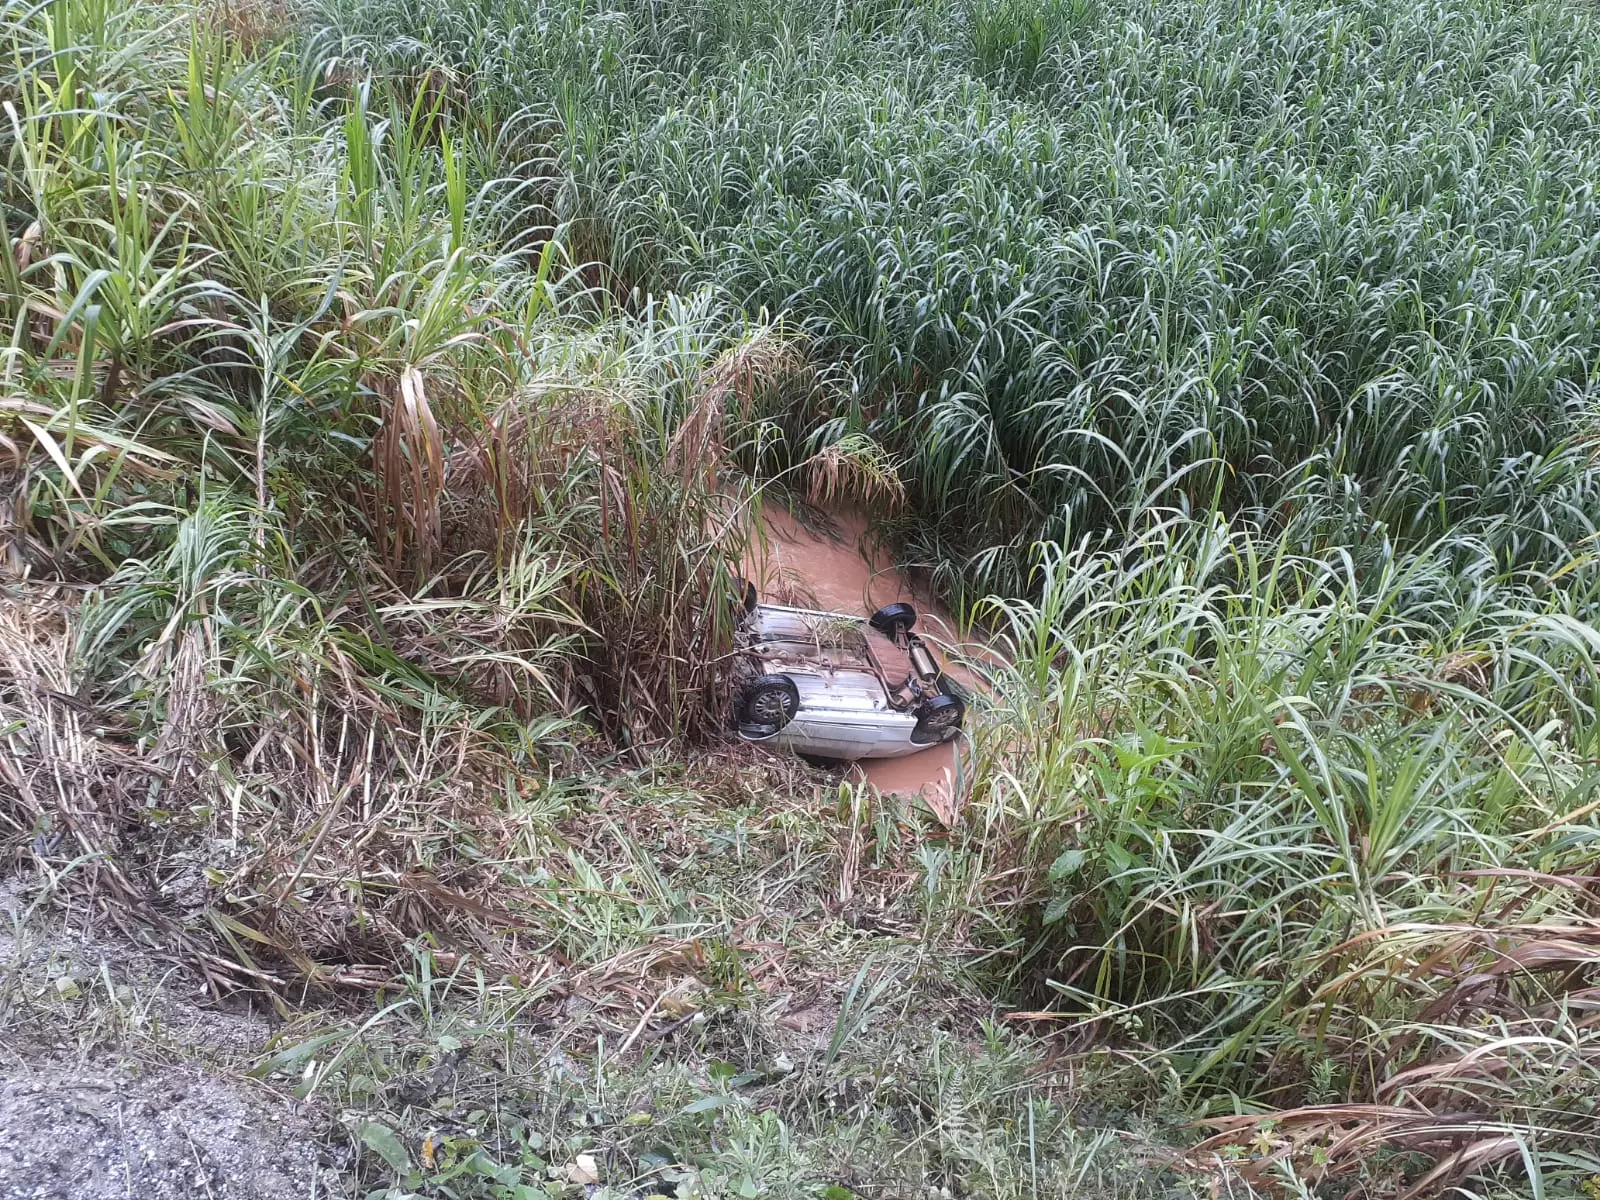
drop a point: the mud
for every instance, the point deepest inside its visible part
(841, 568)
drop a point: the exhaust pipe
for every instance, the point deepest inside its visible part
(922, 661)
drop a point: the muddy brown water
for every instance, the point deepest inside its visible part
(845, 571)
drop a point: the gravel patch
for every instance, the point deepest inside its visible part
(158, 1134)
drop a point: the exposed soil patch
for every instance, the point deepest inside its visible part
(118, 1077)
(153, 1133)
(74, 981)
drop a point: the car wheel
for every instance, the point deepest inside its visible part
(893, 620)
(744, 594)
(937, 717)
(769, 703)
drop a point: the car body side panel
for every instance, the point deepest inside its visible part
(835, 735)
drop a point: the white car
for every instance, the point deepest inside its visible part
(834, 686)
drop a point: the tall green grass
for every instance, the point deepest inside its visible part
(335, 503)
(1328, 263)
(357, 497)
(1313, 843)
(271, 285)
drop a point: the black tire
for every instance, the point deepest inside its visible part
(744, 594)
(767, 704)
(936, 717)
(893, 620)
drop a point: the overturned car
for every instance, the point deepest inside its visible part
(833, 686)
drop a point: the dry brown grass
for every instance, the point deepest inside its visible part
(313, 851)
(1505, 1029)
(252, 24)
(320, 846)
(410, 473)
(71, 773)
(854, 471)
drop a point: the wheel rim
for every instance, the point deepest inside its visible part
(944, 718)
(770, 707)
